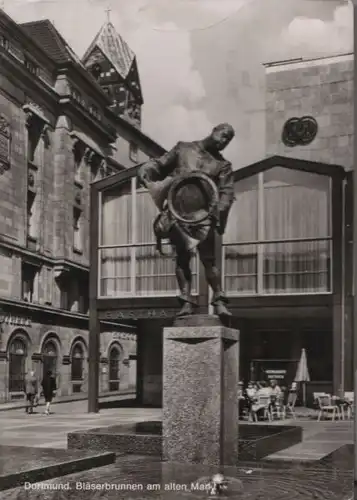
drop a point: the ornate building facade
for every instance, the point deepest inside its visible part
(60, 130)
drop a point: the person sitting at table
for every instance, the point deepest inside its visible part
(251, 390)
(241, 399)
(251, 393)
(275, 389)
(264, 389)
(275, 395)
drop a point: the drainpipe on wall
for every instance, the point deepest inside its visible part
(343, 283)
(354, 314)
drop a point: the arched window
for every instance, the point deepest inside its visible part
(50, 357)
(114, 368)
(17, 364)
(77, 362)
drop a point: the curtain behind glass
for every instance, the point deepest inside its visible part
(296, 205)
(116, 229)
(154, 273)
(240, 261)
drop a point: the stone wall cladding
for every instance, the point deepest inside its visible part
(322, 89)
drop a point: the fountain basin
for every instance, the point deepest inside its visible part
(145, 438)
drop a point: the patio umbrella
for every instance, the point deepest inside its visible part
(302, 374)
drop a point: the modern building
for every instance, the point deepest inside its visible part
(62, 126)
(285, 257)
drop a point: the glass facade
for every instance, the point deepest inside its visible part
(129, 264)
(278, 238)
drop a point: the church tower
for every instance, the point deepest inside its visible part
(113, 64)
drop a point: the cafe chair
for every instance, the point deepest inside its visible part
(262, 403)
(327, 407)
(289, 408)
(349, 398)
(277, 408)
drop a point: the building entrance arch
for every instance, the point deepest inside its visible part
(49, 357)
(17, 351)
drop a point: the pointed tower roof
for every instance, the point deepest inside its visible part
(115, 49)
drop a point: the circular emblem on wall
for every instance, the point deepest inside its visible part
(299, 131)
(192, 198)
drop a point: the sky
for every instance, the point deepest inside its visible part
(201, 61)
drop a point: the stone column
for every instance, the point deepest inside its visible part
(200, 380)
(132, 371)
(104, 375)
(66, 386)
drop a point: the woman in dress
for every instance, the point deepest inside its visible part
(48, 389)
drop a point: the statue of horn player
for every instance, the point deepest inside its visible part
(159, 176)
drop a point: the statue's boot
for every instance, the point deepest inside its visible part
(185, 299)
(186, 310)
(219, 303)
(187, 304)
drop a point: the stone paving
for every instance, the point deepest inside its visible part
(50, 431)
(39, 430)
(319, 440)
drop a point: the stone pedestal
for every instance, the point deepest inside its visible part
(200, 384)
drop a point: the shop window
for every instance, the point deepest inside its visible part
(77, 363)
(17, 365)
(319, 352)
(29, 274)
(114, 368)
(49, 358)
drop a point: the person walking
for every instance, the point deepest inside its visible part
(31, 388)
(48, 388)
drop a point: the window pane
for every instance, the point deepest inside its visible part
(77, 362)
(49, 364)
(155, 274)
(296, 204)
(77, 369)
(116, 220)
(240, 265)
(242, 222)
(146, 212)
(17, 369)
(115, 270)
(300, 267)
(319, 346)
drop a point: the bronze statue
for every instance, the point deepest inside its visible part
(192, 185)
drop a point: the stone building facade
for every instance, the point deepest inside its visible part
(58, 134)
(321, 88)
